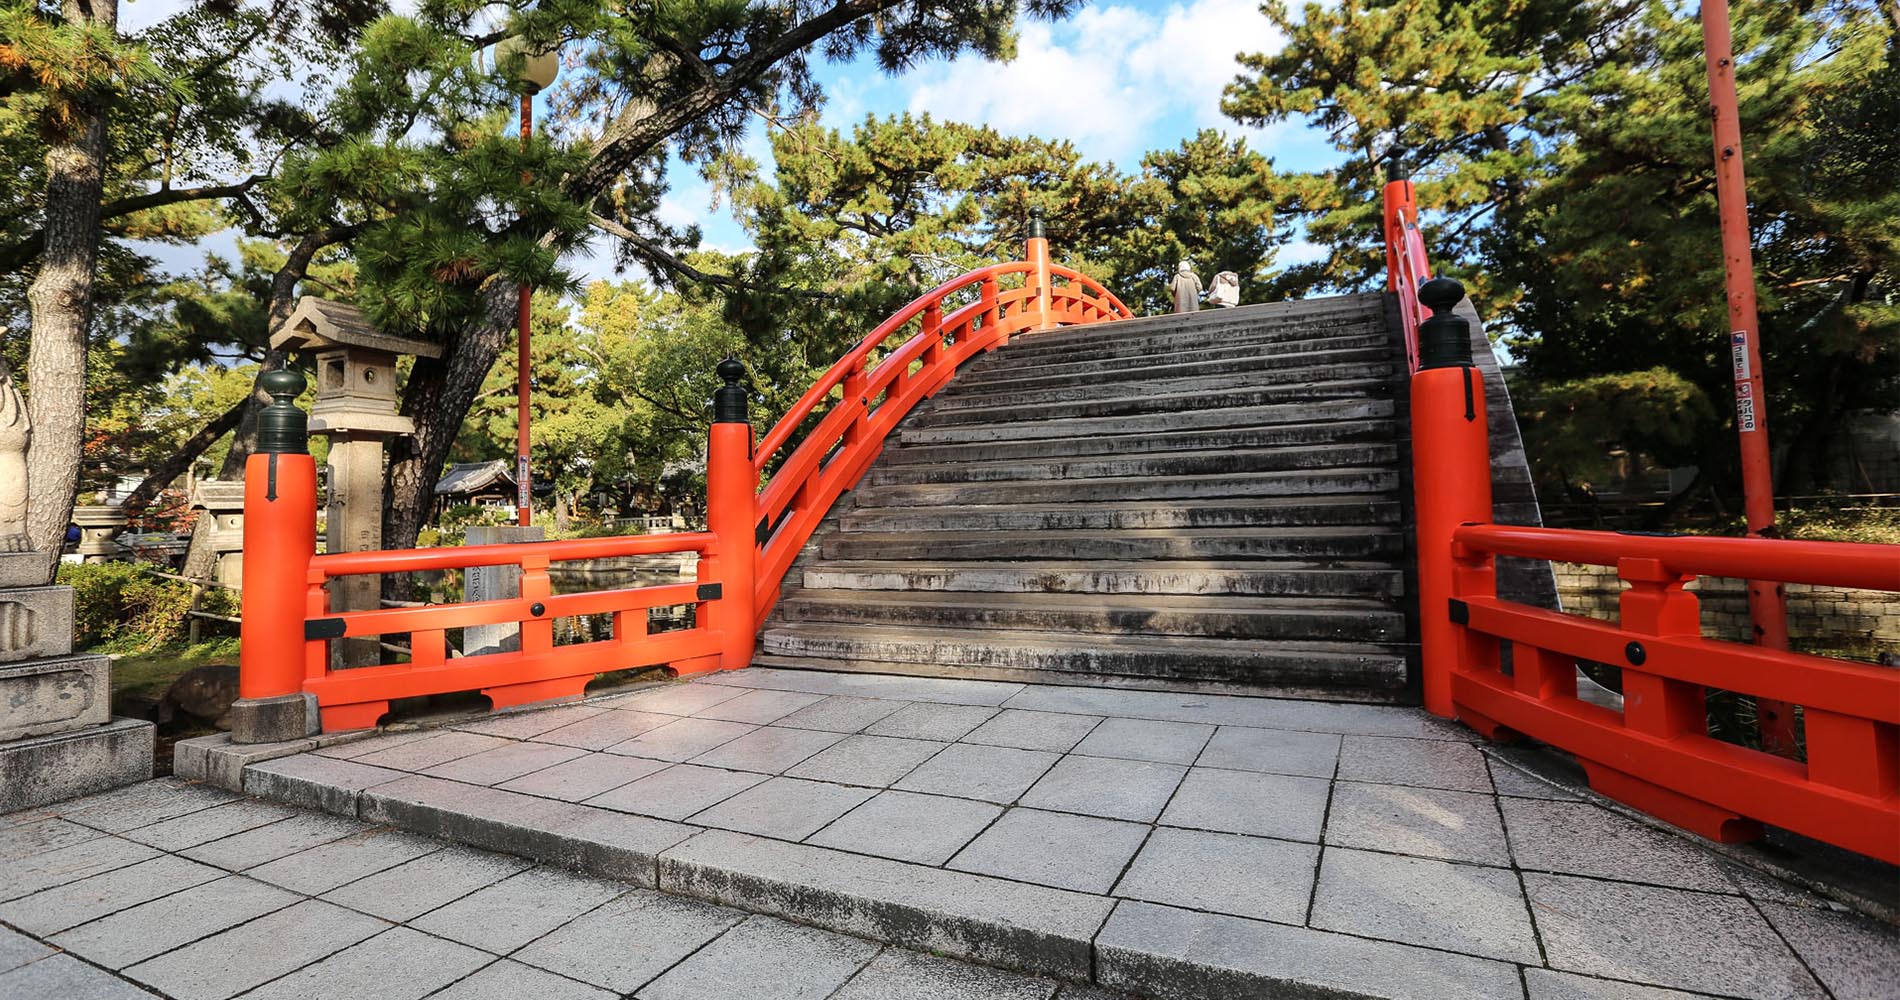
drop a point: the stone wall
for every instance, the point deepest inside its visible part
(1828, 614)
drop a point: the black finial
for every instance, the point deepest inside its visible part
(1035, 224)
(1444, 339)
(729, 400)
(1394, 166)
(282, 428)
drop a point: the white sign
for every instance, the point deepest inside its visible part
(523, 487)
(1738, 350)
(1745, 412)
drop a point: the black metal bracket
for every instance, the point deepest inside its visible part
(1635, 653)
(323, 628)
(1460, 612)
(710, 592)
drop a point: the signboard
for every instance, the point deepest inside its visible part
(1738, 351)
(523, 488)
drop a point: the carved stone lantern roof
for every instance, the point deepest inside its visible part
(356, 367)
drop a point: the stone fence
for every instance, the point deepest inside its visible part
(1824, 614)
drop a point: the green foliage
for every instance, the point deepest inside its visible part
(120, 608)
(1570, 428)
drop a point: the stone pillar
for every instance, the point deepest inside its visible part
(58, 738)
(494, 583)
(98, 526)
(356, 409)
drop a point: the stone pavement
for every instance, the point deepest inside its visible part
(1192, 846)
(196, 893)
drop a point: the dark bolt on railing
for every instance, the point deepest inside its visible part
(729, 400)
(283, 428)
(1444, 339)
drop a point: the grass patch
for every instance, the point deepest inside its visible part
(143, 677)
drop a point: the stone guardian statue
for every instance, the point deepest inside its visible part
(1186, 289)
(15, 431)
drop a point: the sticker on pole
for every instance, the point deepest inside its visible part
(1744, 412)
(1738, 350)
(523, 487)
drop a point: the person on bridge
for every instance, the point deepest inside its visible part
(1186, 289)
(1225, 291)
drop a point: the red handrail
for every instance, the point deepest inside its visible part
(874, 398)
(1406, 264)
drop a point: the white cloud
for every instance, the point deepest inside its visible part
(1106, 79)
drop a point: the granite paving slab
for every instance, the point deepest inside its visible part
(254, 953)
(1549, 984)
(1083, 853)
(677, 699)
(528, 723)
(993, 774)
(70, 863)
(1119, 789)
(516, 910)
(682, 739)
(678, 791)
(787, 808)
(929, 721)
(1437, 904)
(629, 942)
(1578, 838)
(511, 980)
(1664, 937)
(1265, 805)
(1424, 763)
(52, 910)
(1278, 751)
(246, 850)
(905, 975)
(327, 866)
(1423, 822)
(411, 889)
(492, 767)
(1224, 873)
(63, 977)
(908, 826)
(1025, 730)
(206, 825)
(876, 761)
(142, 804)
(1145, 739)
(599, 732)
(437, 748)
(768, 750)
(18, 949)
(584, 777)
(398, 964)
(43, 833)
(765, 958)
(1852, 955)
(841, 714)
(759, 707)
(160, 925)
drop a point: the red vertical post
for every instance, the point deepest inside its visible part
(280, 536)
(1401, 208)
(1767, 604)
(1036, 252)
(1451, 478)
(524, 363)
(732, 513)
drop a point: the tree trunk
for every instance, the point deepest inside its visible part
(175, 465)
(60, 300)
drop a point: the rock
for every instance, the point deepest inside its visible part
(204, 693)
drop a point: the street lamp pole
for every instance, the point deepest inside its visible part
(524, 477)
(1767, 605)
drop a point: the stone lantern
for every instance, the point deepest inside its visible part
(223, 503)
(99, 527)
(356, 409)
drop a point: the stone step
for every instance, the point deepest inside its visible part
(1257, 484)
(1206, 325)
(1261, 578)
(1353, 542)
(1339, 432)
(1367, 672)
(1007, 364)
(1160, 464)
(1007, 378)
(1177, 400)
(1111, 516)
(949, 401)
(1035, 427)
(1226, 617)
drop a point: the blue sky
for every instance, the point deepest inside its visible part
(1117, 78)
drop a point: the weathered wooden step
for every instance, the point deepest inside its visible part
(1170, 488)
(1006, 364)
(1226, 617)
(1283, 435)
(981, 397)
(1172, 402)
(1110, 516)
(1029, 425)
(1004, 378)
(1337, 670)
(1243, 543)
(1263, 578)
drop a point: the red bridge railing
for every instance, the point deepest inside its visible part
(1509, 669)
(752, 535)
(1407, 268)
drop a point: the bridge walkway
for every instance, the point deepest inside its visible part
(1160, 844)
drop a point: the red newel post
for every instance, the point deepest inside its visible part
(732, 514)
(1451, 477)
(280, 536)
(1036, 252)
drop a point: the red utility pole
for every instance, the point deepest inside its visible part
(524, 479)
(1767, 607)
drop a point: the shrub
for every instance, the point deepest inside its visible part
(120, 608)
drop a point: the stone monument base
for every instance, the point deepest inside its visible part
(58, 739)
(41, 769)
